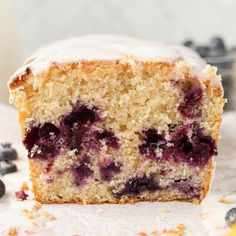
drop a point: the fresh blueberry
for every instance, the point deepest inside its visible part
(203, 51)
(6, 167)
(230, 217)
(188, 43)
(7, 153)
(217, 43)
(2, 188)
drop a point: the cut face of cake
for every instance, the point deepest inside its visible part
(113, 119)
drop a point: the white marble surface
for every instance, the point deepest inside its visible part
(206, 219)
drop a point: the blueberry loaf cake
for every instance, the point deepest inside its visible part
(114, 119)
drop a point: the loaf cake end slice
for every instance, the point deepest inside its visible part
(113, 119)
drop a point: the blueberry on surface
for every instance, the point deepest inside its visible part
(7, 152)
(230, 217)
(7, 167)
(217, 43)
(2, 188)
(188, 43)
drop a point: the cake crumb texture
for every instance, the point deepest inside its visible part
(177, 231)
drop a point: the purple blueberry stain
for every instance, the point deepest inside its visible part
(189, 106)
(150, 142)
(110, 139)
(186, 187)
(40, 141)
(91, 141)
(82, 115)
(21, 195)
(82, 171)
(194, 96)
(196, 150)
(75, 131)
(108, 169)
(31, 137)
(137, 185)
(48, 167)
(47, 130)
(49, 180)
(188, 143)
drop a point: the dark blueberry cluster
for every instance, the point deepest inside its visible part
(195, 149)
(137, 185)
(189, 106)
(75, 131)
(41, 140)
(82, 171)
(151, 141)
(108, 169)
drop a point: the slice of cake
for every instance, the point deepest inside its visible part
(113, 119)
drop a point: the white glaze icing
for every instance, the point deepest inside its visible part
(109, 47)
(113, 47)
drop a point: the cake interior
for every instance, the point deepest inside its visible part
(114, 133)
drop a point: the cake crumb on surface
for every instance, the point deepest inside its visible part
(204, 214)
(224, 200)
(24, 186)
(36, 206)
(28, 214)
(36, 213)
(164, 210)
(12, 231)
(49, 216)
(21, 195)
(142, 234)
(177, 231)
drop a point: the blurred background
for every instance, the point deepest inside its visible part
(27, 24)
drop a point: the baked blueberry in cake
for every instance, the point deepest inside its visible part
(114, 119)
